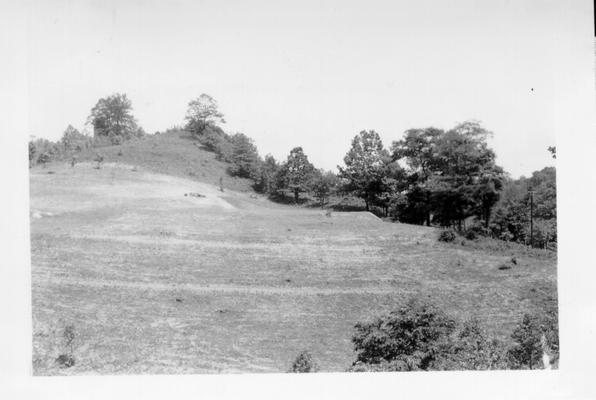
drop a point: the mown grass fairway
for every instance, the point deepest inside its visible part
(158, 282)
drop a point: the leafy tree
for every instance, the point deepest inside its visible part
(412, 207)
(451, 175)
(411, 338)
(244, 157)
(323, 184)
(268, 169)
(468, 181)
(365, 167)
(511, 220)
(213, 138)
(296, 173)
(393, 184)
(544, 185)
(418, 150)
(202, 112)
(112, 118)
(51, 149)
(72, 139)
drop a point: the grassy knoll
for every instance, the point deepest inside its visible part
(173, 153)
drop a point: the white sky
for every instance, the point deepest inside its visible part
(311, 73)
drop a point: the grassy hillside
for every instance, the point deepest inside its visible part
(154, 281)
(173, 153)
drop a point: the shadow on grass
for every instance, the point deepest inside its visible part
(282, 198)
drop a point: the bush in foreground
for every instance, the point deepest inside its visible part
(535, 336)
(473, 349)
(304, 363)
(419, 336)
(405, 340)
(66, 359)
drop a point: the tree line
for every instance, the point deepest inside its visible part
(430, 176)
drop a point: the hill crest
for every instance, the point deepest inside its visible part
(175, 153)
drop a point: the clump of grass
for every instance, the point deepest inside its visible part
(471, 235)
(98, 159)
(447, 236)
(509, 264)
(304, 363)
(67, 360)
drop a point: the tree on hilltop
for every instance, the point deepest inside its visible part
(202, 112)
(112, 118)
(72, 139)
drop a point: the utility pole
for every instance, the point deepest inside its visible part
(531, 218)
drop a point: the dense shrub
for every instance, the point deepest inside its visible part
(511, 217)
(268, 169)
(407, 339)
(43, 159)
(304, 363)
(471, 235)
(412, 207)
(550, 329)
(535, 335)
(73, 140)
(526, 353)
(323, 185)
(472, 349)
(419, 336)
(447, 235)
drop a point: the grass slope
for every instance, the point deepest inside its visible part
(158, 282)
(173, 153)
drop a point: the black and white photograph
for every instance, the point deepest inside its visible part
(263, 188)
